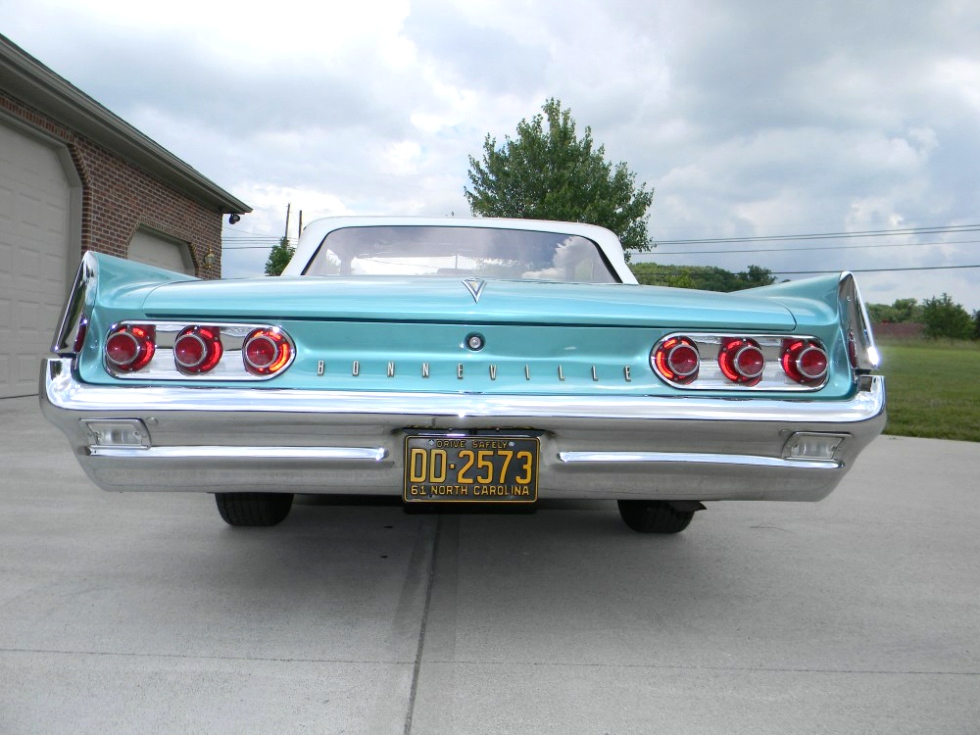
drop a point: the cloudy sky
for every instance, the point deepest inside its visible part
(750, 119)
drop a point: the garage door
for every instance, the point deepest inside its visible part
(154, 249)
(34, 232)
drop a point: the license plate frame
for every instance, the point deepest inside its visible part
(452, 468)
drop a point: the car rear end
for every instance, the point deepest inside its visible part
(417, 388)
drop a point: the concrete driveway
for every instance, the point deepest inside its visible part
(146, 614)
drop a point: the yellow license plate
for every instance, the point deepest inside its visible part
(482, 469)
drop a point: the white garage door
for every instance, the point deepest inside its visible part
(34, 234)
(153, 249)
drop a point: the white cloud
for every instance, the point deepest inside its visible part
(873, 213)
(960, 78)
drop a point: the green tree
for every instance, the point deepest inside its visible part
(547, 172)
(279, 257)
(703, 277)
(681, 280)
(754, 276)
(907, 310)
(902, 310)
(879, 313)
(945, 318)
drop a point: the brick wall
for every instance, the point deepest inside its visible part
(118, 197)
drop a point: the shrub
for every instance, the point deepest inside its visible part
(945, 318)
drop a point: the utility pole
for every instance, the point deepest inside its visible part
(285, 233)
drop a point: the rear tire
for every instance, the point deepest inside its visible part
(253, 509)
(657, 516)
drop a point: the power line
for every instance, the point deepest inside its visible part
(730, 251)
(827, 235)
(877, 270)
(234, 230)
(254, 242)
(950, 229)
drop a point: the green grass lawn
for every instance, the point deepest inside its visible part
(933, 388)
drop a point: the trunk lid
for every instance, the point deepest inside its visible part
(450, 301)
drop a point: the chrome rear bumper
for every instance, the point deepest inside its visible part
(261, 439)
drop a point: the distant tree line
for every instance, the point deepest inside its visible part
(703, 277)
(900, 312)
(940, 316)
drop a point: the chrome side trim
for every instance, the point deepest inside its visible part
(856, 324)
(689, 458)
(335, 454)
(85, 281)
(62, 391)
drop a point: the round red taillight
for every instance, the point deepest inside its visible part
(197, 350)
(677, 360)
(741, 360)
(852, 354)
(80, 336)
(804, 361)
(130, 348)
(266, 352)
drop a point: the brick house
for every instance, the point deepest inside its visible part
(75, 177)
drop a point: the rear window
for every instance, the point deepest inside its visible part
(485, 252)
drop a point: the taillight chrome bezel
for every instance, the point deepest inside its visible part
(223, 343)
(795, 353)
(136, 340)
(282, 352)
(719, 367)
(205, 339)
(742, 361)
(667, 360)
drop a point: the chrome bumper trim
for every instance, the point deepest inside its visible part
(60, 389)
(266, 440)
(333, 454)
(689, 458)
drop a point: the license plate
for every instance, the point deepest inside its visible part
(461, 469)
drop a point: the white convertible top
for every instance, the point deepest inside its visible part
(316, 230)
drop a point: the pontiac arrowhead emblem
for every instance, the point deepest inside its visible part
(475, 287)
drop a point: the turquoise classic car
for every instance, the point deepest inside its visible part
(473, 361)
